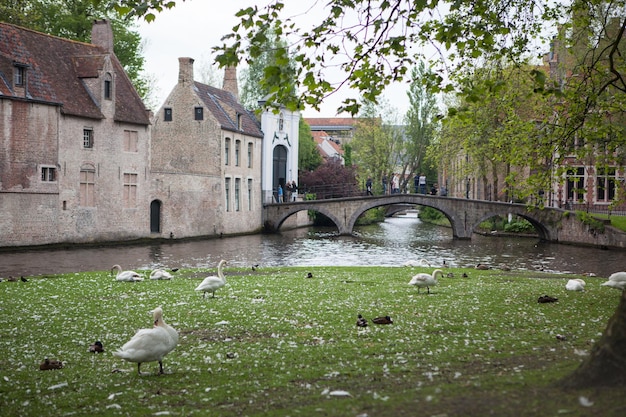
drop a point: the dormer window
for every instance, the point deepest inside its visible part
(239, 121)
(198, 113)
(108, 87)
(167, 114)
(19, 74)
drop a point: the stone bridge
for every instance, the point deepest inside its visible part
(551, 224)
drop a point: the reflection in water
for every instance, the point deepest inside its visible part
(388, 244)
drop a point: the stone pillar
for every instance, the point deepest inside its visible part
(230, 82)
(102, 34)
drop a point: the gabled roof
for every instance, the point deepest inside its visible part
(326, 145)
(331, 123)
(225, 108)
(56, 71)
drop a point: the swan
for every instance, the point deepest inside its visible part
(160, 274)
(149, 345)
(213, 283)
(575, 284)
(412, 262)
(425, 280)
(617, 281)
(130, 276)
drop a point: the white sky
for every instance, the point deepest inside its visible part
(193, 27)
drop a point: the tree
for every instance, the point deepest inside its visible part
(309, 157)
(74, 20)
(330, 180)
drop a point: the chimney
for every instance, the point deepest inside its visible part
(185, 70)
(102, 35)
(230, 81)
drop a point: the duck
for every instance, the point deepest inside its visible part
(49, 364)
(96, 347)
(481, 267)
(23, 279)
(360, 321)
(150, 345)
(160, 274)
(616, 280)
(383, 320)
(11, 278)
(575, 284)
(255, 266)
(425, 280)
(128, 276)
(309, 275)
(547, 299)
(213, 283)
(465, 275)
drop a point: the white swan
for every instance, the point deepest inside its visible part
(575, 284)
(412, 262)
(616, 280)
(160, 274)
(213, 283)
(129, 276)
(425, 280)
(149, 345)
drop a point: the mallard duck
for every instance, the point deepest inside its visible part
(547, 299)
(481, 267)
(150, 345)
(213, 283)
(617, 281)
(383, 320)
(425, 280)
(96, 347)
(360, 321)
(49, 364)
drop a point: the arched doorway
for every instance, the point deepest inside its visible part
(279, 169)
(155, 216)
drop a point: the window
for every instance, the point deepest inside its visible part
(605, 185)
(227, 193)
(87, 187)
(130, 190)
(87, 138)
(167, 114)
(198, 113)
(281, 123)
(131, 138)
(108, 87)
(250, 195)
(237, 152)
(20, 75)
(239, 121)
(250, 155)
(576, 184)
(48, 174)
(237, 194)
(226, 151)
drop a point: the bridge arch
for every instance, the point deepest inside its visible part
(295, 209)
(542, 231)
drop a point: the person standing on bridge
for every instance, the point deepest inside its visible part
(384, 184)
(422, 181)
(280, 193)
(368, 186)
(416, 183)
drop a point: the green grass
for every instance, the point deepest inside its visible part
(274, 343)
(619, 222)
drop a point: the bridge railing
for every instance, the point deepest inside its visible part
(326, 191)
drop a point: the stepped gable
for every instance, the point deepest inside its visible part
(57, 69)
(225, 108)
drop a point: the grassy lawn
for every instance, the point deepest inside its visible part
(274, 343)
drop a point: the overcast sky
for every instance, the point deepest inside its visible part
(193, 27)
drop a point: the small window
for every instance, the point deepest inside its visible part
(20, 75)
(131, 139)
(226, 151)
(227, 193)
(237, 194)
(167, 114)
(48, 174)
(237, 152)
(239, 122)
(249, 154)
(87, 138)
(107, 89)
(198, 113)
(250, 194)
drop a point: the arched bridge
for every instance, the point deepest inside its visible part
(552, 224)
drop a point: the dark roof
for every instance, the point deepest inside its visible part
(331, 123)
(56, 69)
(225, 107)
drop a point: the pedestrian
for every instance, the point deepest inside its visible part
(280, 194)
(433, 190)
(422, 182)
(384, 184)
(416, 183)
(294, 190)
(368, 186)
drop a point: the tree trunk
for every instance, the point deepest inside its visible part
(606, 364)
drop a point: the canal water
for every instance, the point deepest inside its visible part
(391, 243)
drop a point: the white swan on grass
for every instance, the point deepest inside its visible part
(617, 281)
(412, 262)
(150, 345)
(160, 274)
(425, 280)
(213, 283)
(129, 276)
(575, 284)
